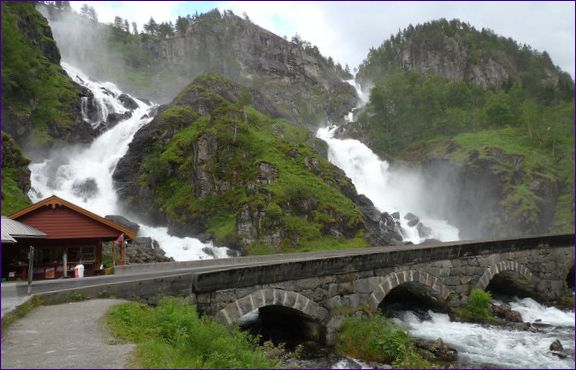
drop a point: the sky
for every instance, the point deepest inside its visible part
(346, 30)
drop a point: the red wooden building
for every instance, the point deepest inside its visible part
(74, 235)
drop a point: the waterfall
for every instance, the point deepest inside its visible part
(83, 174)
(391, 190)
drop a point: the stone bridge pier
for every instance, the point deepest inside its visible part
(325, 289)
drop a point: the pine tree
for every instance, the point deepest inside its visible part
(151, 27)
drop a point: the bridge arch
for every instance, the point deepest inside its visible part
(504, 266)
(395, 279)
(271, 297)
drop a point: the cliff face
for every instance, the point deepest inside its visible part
(457, 51)
(40, 104)
(215, 164)
(15, 176)
(306, 87)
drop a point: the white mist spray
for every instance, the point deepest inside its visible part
(83, 174)
(391, 190)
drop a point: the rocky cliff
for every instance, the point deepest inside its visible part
(40, 104)
(15, 176)
(215, 164)
(457, 51)
(306, 87)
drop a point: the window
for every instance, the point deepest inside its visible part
(87, 254)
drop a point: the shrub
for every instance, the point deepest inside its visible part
(478, 307)
(172, 335)
(378, 339)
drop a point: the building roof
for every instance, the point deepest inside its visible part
(6, 238)
(13, 230)
(54, 202)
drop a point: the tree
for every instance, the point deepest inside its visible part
(126, 26)
(85, 10)
(134, 28)
(92, 14)
(118, 22)
(151, 27)
(182, 25)
(165, 30)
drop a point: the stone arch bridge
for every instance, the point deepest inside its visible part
(323, 286)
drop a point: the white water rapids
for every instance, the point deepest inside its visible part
(83, 174)
(481, 346)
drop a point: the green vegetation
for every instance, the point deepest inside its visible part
(533, 70)
(172, 335)
(15, 177)
(21, 311)
(478, 307)
(251, 165)
(378, 339)
(526, 142)
(522, 129)
(36, 90)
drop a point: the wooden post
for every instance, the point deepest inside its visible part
(113, 254)
(123, 252)
(30, 269)
(65, 262)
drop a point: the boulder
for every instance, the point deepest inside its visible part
(506, 313)
(556, 346)
(412, 219)
(423, 230)
(128, 102)
(145, 250)
(124, 222)
(85, 189)
(442, 351)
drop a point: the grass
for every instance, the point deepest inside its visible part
(172, 335)
(380, 340)
(21, 311)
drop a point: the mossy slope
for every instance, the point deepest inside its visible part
(215, 164)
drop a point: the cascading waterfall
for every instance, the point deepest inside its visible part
(497, 347)
(396, 190)
(390, 190)
(83, 175)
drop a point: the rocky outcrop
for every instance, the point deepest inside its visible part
(123, 221)
(41, 108)
(458, 52)
(506, 313)
(15, 176)
(208, 166)
(306, 87)
(485, 192)
(383, 229)
(145, 250)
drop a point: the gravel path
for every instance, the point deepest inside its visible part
(69, 335)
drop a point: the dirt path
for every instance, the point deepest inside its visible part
(64, 336)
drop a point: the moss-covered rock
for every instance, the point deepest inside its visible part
(15, 176)
(214, 163)
(40, 103)
(500, 185)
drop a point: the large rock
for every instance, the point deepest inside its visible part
(145, 250)
(124, 222)
(506, 313)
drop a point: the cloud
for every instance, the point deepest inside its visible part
(347, 30)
